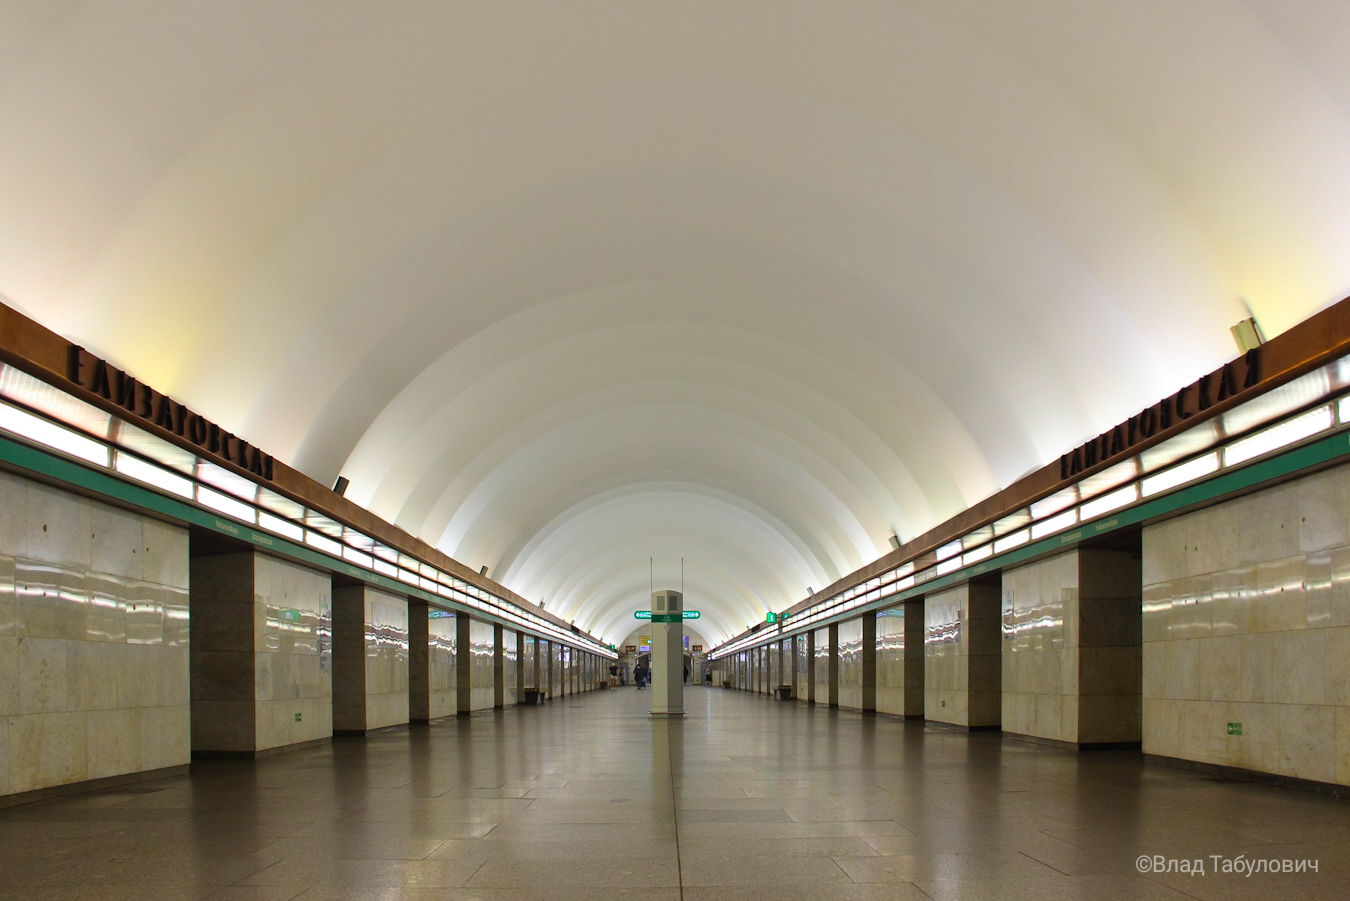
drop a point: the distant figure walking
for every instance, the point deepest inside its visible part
(613, 675)
(640, 676)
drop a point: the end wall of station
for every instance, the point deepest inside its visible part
(1220, 641)
(128, 647)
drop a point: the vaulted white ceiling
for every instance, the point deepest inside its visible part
(565, 287)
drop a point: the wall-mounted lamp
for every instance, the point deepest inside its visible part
(895, 542)
(482, 570)
(340, 486)
(1247, 335)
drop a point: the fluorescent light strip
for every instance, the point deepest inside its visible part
(1276, 437)
(949, 566)
(1179, 475)
(280, 526)
(980, 553)
(1108, 502)
(1054, 524)
(949, 549)
(1015, 539)
(227, 505)
(322, 542)
(150, 474)
(49, 434)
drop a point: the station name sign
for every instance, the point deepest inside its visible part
(1218, 386)
(148, 405)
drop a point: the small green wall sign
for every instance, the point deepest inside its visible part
(1234, 728)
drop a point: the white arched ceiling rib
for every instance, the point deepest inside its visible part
(528, 563)
(1044, 217)
(784, 478)
(592, 566)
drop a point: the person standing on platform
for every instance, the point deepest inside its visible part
(640, 676)
(613, 675)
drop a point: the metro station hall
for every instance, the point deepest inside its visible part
(639, 450)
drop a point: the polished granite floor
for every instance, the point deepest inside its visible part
(747, 798)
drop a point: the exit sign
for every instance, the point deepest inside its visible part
(667, 617)
(1234, 728)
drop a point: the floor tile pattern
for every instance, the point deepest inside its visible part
(746, 798)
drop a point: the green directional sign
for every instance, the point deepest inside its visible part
(642, 614)
(667, 617)
(771, 617)
(692, 614)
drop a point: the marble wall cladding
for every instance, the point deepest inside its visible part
(962, 656)
(775, 677)
(510, 654)
(820, 670)
(801, 655)
(94, 641)
(1246, 620)
(481, 651)
(441, 671)
(891, 661)
(530, 679)
(557, 673)
(1040, 648)
(851, 664)
(292, 653)
(386, 645)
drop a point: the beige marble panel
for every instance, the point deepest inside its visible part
(891, 661)
(74, 604)
(963, 656)
(1258, 636)
(821, 687)
(441, 665)
(510, 651)
(851, 664)
(293, 674)
(481, 681)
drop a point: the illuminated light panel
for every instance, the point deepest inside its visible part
(1054, 524)
(1179, 475)
(150, 474)
(386, 569)
(227, 505)
(980, 553)
(280, 526)
(357, 557)
(1008, 542)
(49, 434)
(949, 566)
(1343, 409)
(322, 542)
(1276, 437)
(1108, 502)
(948, 550)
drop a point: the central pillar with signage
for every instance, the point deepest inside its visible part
(667, 653)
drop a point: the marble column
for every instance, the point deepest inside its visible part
(914, 658)
(963, 656)
(261, 654)
(1072, 649)
(832, 663)
(463, 666)
(498, 666)
(419, 671)
(370, 659)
